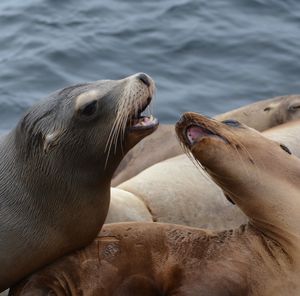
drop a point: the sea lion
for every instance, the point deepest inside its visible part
(125, 206)
(259, 258)
(56, 167)
(287, 134)
(176, 191)
(261, 115)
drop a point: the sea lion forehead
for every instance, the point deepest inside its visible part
(87, 96)
(94, 91)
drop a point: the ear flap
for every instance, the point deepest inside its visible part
(51, 140)
(229, 199)
(272, 106)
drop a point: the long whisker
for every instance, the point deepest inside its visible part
(195, 161)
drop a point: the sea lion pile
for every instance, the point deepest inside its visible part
(224, 194)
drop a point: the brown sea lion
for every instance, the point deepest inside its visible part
(259, 258)
(56, 167)
(261, 115)
(176, 191)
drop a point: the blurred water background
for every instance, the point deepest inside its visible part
(205, 56)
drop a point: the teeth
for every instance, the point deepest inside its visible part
(144, 121)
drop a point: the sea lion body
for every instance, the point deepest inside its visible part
(259, 258)
(176, 191)
(287, 134)
(162, 144)
(56, 167)
(163, 259)
(125, 206)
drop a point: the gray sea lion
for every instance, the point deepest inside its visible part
(162, 144)
(56, 167)
(259, 258)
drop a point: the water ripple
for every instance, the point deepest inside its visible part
(206, 56)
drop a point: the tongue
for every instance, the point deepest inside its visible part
(144, 121)
(194, 133)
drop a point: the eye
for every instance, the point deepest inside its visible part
(231, 122)
(294, 107)
(286, 149)
(89, 109)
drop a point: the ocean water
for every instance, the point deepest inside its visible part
(205, 56)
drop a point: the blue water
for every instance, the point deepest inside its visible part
(206, 56)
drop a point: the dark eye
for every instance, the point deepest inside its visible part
(231, 122)
(294, 107)
(286, 149)
(89, 109)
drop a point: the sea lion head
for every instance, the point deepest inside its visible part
(283, 109)
(237, 157)
(89, 124)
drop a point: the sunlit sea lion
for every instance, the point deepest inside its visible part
(56, 167)
(162, 144)
(257, 259)
(176, 191)
(125, 206)
(287, 134)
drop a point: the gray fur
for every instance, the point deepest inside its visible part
(55, 200)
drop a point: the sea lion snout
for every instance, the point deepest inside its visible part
(144, 78)
(193, 128)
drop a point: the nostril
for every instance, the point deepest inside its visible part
(144, 78)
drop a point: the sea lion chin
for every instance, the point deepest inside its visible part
(56, 167)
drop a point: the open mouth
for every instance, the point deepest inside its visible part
(195, 133)
(140, 121)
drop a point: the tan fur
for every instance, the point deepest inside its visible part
(177, 191)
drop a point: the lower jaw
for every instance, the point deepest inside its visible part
(142, 131)
(146, 127)
(135, 135)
